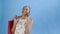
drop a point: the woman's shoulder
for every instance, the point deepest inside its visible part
(17, 17)
(30, 19)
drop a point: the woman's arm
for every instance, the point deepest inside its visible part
(28, 26)
(14, 25)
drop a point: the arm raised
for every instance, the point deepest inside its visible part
(28, 26)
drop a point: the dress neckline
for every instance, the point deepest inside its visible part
(22, 19)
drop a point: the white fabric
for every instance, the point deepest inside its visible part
(20, 27)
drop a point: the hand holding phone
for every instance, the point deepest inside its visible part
(27, 13)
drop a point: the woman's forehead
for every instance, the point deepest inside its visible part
(26, 7)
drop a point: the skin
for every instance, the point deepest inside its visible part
(29, 20)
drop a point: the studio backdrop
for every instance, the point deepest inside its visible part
(45, 15)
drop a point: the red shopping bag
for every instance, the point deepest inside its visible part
(10, 24)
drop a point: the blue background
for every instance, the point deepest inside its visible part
(45, 15)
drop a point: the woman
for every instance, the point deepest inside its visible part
(22, 24)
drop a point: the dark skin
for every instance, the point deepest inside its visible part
(24, 16)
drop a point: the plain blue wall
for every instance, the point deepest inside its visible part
(0, 13)
(1, 10)
(45, 15)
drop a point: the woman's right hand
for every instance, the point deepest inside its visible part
(15, 19)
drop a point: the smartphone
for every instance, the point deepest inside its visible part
(27, 13)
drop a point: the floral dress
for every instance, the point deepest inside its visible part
(20, 27)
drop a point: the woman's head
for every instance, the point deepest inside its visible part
(26, 11)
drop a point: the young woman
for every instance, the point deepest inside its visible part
(22, 24)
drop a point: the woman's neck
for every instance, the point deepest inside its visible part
(23, 17)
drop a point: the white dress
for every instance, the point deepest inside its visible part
(20, 27)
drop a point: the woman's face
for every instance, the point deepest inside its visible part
(25, 11)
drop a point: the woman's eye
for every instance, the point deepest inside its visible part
(26, 9)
